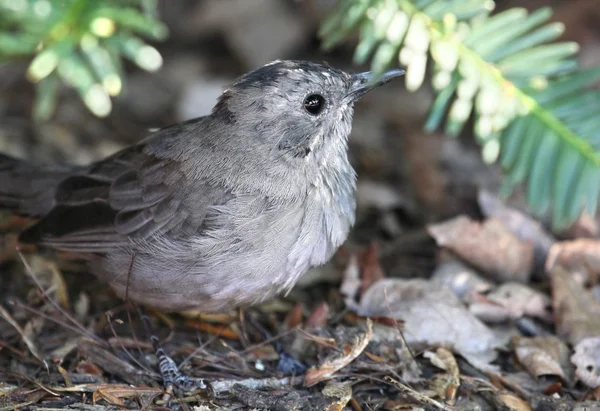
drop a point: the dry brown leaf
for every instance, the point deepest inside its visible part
(370, 269)
(511, 301)
(432, 316)
(489, 246)
(446, 384)
(218, 318)
(329, 367)
(586, 226)
(222, 331)
(65, 375)
(85, 367)
(318, 318)
(108, 397)
(61, 294)
(582, 255)
(375, 358)
(543, 356)
(264, 353)
(576, 312)
(593, 395)
(520, 224)
(294, 317)
(587, 361)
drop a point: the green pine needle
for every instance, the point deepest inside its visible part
(531, 102)
(81, 43)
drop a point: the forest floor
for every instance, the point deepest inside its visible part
(445, 297)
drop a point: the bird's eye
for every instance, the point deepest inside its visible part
(314, 104)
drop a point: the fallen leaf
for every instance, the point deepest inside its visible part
(593, 395)
(576, 312)
(60, 286)
(85, 367)
(554, 388)
(586, 226)
(582, 255)
(375, 358)
(511, 301)
(488, 246)
(543, 356)
(263, 353)
(223, 331)
(330, 366)
(462, 280)
(587, 361)
(108, 397)
(294, 317)
(432, 316)
(447, 384)
(65, 375)
(520, 224)
(318, 318)
(370, 269)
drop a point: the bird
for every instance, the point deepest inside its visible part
(221, 211)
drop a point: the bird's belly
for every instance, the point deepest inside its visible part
(211, 273)
(221, 271)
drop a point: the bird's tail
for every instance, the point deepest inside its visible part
(28, 189)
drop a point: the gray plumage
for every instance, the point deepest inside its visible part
(217, 212)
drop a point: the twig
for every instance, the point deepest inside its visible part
(131, 357)
(203, 346)
(29, 271)
(62, 324)
(269, 340)
(256, 383)
(405, 389)
(33, 348)
(412, 355)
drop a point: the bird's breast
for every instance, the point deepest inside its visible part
(329, 213)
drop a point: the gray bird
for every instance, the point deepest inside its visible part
(217, 212)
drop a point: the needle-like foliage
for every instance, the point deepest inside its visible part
(81, 43)
(532, 106)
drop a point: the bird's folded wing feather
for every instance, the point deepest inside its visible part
(130, 195)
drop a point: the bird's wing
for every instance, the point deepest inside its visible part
(132, 194)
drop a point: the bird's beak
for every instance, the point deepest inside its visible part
(365, 82)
